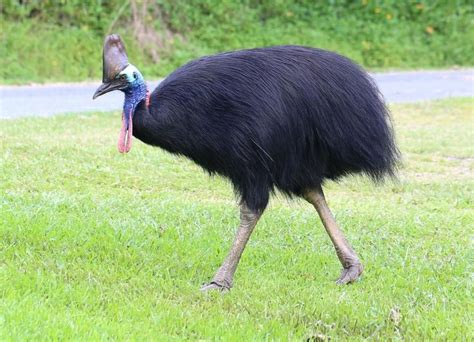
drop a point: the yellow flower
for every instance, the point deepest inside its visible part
(388, 16)
(377, 10)
(420, 6)
(429, 29)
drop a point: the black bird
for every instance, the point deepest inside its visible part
(284, 117)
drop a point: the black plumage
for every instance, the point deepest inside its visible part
(282, 118)
(285, 118)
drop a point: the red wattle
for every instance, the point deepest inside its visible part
(121, 140)
(125, 137)
(128, 146)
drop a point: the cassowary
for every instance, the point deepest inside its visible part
(284, 117)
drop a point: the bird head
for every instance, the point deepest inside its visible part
(119, 74)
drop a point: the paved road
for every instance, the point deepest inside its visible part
(44, 100)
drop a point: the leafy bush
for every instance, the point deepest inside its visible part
(49, 40)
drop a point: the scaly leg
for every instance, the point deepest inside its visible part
(225, 274)
(348, 258)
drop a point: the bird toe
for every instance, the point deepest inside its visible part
(213, 286)
(350, 274)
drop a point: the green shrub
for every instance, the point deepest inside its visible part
(61, 40)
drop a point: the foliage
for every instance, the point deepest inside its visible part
(96, 245)
(378, 34)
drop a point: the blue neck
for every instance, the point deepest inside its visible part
(135, 93)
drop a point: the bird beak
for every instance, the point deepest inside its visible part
(106, 87)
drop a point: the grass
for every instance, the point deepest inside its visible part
(96, 245)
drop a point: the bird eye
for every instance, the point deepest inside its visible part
(135, 74)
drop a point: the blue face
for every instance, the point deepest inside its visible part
(136, 89)
(132, 74)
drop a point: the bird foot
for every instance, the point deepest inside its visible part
(350, 274)
(215, 285)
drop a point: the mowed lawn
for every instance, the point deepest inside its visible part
(98, 245)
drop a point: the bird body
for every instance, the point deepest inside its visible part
(285, 117)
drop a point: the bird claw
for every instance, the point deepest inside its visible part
(214, 285)
(350, 274)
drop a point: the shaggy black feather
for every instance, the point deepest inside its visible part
(283, 117)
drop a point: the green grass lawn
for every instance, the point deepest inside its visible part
(98, 245)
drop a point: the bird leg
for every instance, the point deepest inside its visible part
(224, 276)
(352, 268)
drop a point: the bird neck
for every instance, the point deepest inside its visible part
(134, 94)
(143, 121)
(150, 124)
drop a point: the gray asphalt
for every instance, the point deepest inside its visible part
(45, 100)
